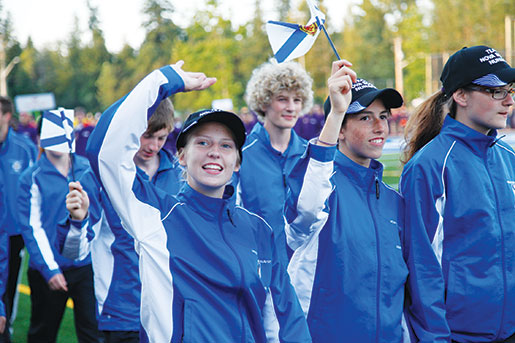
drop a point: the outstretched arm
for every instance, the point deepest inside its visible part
(115, 141)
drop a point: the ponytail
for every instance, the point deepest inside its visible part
(425, 123)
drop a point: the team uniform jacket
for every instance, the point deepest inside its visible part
(207, 267)
(348, 267)
(460, 198)
(115, 262)
(17, 153)
(262, 185)
(41, 202)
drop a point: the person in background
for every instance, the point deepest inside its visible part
(459, 187)
(52, 277)
(84, 127)
(27, 126)
(17, 153)
(115, 261)
(310, 124)
(172, 136)
(248, 118)
(279, 94)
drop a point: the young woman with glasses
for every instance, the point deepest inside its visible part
(459, 188)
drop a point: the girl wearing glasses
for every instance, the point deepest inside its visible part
(459, 188)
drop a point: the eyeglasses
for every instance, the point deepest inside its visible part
(496, 93)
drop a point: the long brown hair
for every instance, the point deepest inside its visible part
(426, 122)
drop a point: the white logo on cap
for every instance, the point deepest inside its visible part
(492, 57)
(362, 84)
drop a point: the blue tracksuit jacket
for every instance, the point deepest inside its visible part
(262, 187)
(41, 202)
(208, 268)
(460, 198)
(115, 262)
(17, 153)
(348, 268)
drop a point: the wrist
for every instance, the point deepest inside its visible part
(329, 144)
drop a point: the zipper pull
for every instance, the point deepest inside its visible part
(377, 188)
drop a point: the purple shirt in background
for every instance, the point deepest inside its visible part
(30, 131)
(309, 125)
(170, 140)
(249, 119)
(81, 139)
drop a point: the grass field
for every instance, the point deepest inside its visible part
(21, 324)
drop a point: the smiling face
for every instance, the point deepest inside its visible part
(283, 111)
(150, 144)
(479, 111)
(363, 134)
(210, 157)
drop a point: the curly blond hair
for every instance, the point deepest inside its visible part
(271, 78)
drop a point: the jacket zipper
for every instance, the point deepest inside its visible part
(503, 257)
(244, 332)
(378, 252)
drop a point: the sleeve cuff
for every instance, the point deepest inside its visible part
(321, 153)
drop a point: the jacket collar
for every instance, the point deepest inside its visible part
(295, 144)
(357, 173)
(208, 207)
(476, 141)
(167, 161)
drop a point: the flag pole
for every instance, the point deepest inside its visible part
(71, 166)
(330, 41)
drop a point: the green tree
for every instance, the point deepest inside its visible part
(210, 46)
(367, 43)
(456, 23)
(161, 35)
(116, 77)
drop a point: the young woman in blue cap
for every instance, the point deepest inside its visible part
(208, 268)
(345, 224)
(459, 187)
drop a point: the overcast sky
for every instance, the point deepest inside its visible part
(50, 21)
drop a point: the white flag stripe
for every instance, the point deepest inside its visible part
(290, 41)
(57, 131)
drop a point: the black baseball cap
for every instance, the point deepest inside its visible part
(480, 65)
(364, 93)
(229, 119)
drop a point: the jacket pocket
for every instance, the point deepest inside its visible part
(455, 291)
(188, 322)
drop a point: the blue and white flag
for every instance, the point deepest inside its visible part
(57, 131)
(290, 41)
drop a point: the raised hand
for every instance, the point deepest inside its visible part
(339, 85)
(193, 81)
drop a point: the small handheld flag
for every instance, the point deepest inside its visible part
(290, 41)
(57, 133)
